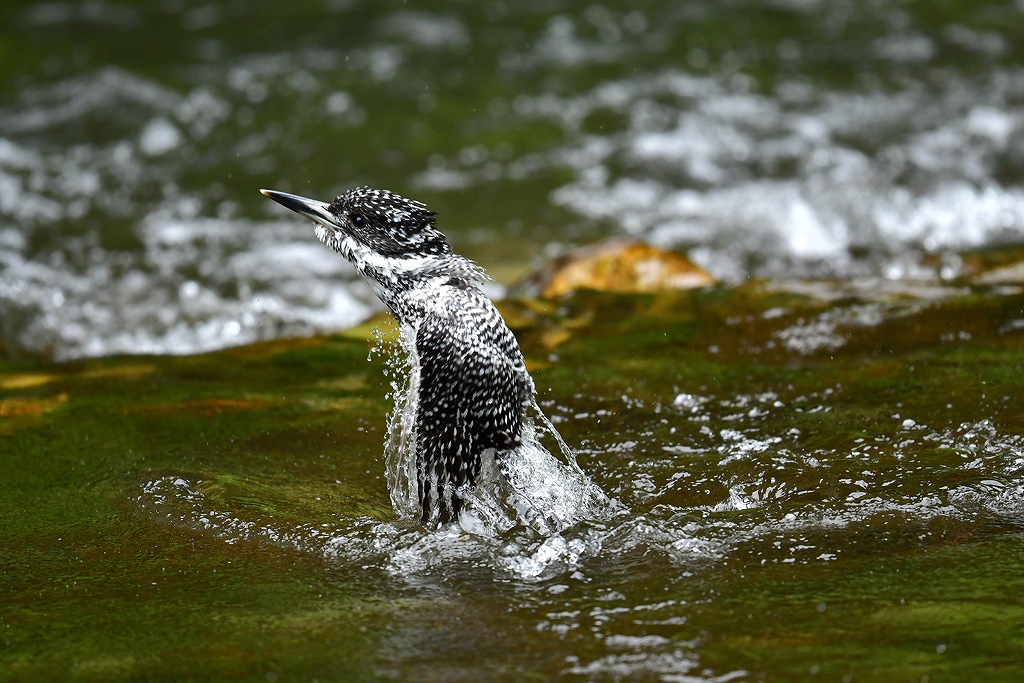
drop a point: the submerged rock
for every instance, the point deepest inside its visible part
(616, 266)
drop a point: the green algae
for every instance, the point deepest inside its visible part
(944, 613)
(172, 517)
(97, 589)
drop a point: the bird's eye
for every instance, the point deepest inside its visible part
(358, 220)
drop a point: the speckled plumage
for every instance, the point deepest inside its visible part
(473, 384)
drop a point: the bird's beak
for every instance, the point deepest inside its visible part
(310, 208)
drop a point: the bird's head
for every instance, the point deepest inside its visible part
(392, 241)
(381, 221)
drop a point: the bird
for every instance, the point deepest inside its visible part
(472, 388)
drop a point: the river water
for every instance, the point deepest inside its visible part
(814, 471)
(770, 138)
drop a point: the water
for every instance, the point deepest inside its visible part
(850, 508)
(530, 487)
(770, 139)
(815, 471)
(752, 493)
(532, 513)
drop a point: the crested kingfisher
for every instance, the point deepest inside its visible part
(473, 388)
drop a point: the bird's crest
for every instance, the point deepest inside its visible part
(389, 223)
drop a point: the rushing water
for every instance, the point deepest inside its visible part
(810, 138)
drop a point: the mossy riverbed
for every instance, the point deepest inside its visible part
(820, 481)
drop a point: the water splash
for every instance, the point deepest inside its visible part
(530, 486)
(400, 446)
(780, 504)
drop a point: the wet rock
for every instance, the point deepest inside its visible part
(1011, 274)
(994, 266)
(616, 266)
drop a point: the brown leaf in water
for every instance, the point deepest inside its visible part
(619, 266)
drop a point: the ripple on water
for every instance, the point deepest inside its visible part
(532, 518)
(781, 506)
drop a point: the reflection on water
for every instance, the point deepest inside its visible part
(769, 138)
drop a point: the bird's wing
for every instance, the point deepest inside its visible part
(468, 402)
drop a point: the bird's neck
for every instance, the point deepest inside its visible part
(411, 284)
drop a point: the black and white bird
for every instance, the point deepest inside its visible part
(473, 387)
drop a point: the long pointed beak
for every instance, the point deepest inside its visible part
(310, 208)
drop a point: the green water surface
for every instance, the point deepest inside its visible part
(102, 581)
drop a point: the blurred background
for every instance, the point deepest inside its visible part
(770, 138)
